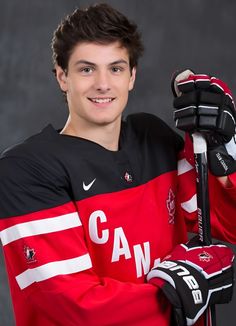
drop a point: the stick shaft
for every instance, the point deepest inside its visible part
(203, 206)
(204, 227)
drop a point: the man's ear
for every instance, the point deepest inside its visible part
(61, 78)
(132, 78)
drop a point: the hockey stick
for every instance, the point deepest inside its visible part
(203, 207)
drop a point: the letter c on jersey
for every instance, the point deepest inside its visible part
(93, 227)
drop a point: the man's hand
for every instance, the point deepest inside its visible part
(205, 104)
(193, 277)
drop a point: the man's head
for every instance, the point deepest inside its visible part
(95, 53)
(100, 24)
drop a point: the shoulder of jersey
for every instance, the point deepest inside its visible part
(34, 144)
(147, 124)
(42, 150)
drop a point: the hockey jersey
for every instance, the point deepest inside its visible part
(81, 226)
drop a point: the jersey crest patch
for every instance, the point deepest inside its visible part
(205, 256)
(29, 254)
(170, 204)
(128, 177)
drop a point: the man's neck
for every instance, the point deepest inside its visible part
(105, 135)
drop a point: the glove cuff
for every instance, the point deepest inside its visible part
(220, 162)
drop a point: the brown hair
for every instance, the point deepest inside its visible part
(98, 23)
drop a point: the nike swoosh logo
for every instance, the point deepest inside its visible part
(87, 187)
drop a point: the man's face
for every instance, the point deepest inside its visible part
(97, 83)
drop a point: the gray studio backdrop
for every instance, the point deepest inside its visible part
(199, 34)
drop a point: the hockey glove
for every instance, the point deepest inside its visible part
(194, 278)
(205, 104)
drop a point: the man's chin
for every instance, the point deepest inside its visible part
(106, 121)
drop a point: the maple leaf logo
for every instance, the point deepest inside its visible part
(170, 204)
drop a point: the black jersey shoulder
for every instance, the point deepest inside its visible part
(158, 145)
(147, 125)
(37, 155)
(32, 145)
(30, 179)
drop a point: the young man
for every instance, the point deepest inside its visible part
(88, 211)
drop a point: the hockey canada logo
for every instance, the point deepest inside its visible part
(170, 203)
(29, 254)
(128, 177)
(205, 256)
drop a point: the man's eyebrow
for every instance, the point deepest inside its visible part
(84, 62)
(117, 62)
(89, 63)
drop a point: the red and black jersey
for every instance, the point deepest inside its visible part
(81, 226)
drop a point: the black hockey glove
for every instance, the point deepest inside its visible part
(204, 104)
(194, 277)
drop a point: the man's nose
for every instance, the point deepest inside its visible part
(102, 81)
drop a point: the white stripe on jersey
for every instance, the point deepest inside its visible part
(184, 166)
(42, 226)
(46, 271)
(190, 205)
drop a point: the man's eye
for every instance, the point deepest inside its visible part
(117, 69)
(86, 70)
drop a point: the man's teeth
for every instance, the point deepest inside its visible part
(101, 100)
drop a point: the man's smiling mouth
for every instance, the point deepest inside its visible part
(101, 100)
